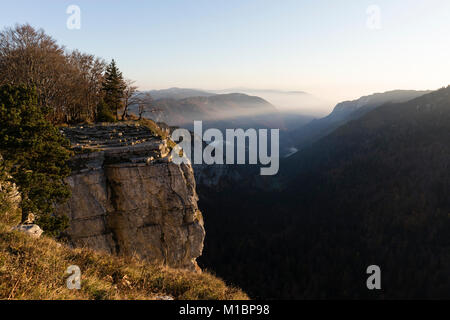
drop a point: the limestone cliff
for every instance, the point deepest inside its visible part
(129, 198)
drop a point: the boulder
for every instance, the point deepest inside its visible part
(31, 229)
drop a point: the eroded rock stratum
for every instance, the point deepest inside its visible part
(129, 198)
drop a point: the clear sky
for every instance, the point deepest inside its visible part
(333, 49)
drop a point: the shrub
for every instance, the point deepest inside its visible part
(36, 153)
(104, 113)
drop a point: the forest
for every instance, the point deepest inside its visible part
(373, 192)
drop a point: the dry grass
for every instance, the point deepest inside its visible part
(36, 269)
(157, 130)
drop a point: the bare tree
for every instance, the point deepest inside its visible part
(68, 83)
(85, 85)
(30, 57)
(130, 97)
(145, 104)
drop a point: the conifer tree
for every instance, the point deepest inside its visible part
(35, 154)
(113, 88)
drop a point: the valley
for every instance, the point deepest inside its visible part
(338, 206)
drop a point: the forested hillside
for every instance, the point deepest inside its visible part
(347, 111)
(375, 191)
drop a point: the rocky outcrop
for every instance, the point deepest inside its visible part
(128, 197)
(32, 230)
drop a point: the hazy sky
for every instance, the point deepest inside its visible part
(333, 49)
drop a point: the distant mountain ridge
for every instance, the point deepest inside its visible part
(178, 93)
(347, 111)
(244, 90)
(295, 101)
(218, 107)
(223, 111)
(286, 101)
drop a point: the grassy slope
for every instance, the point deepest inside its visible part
(35, 269)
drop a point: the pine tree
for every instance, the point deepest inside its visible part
(36, 156)
(113, 88)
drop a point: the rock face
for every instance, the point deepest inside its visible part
(129, 198)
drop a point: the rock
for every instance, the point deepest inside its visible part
(31, 229)
(132, 205)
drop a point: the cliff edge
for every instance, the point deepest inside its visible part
(129, 198)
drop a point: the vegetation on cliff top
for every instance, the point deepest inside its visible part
(35, 155)
(75, 87)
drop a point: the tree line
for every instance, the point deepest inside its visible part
(44, 85)
(76, 87)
